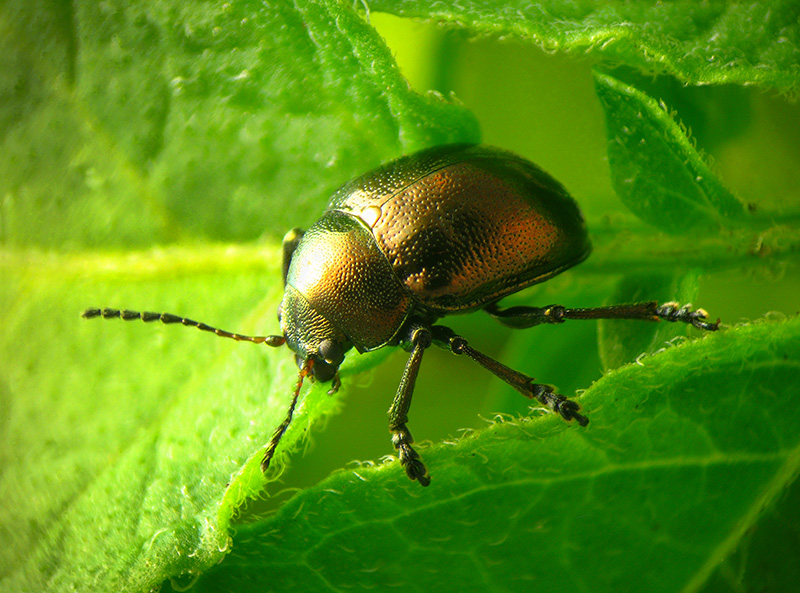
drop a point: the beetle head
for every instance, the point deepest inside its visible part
(311, 336)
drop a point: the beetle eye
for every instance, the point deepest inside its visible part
(331, 352)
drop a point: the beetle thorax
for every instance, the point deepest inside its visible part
(346, 284)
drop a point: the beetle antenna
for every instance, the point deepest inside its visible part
(168, 318)
(278, 434)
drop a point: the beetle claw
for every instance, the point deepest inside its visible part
(569, 411)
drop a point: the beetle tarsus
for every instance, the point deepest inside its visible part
(567, 408)
(673, 311)
(409, 458)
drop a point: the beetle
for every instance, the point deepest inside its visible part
(448, 230)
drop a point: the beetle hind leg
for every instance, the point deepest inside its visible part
(524, 317)
(398, 413)
(545, 394)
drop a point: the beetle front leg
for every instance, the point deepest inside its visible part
(524, 317)
(545, 394)
(398, 413)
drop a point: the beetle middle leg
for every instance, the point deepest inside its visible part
(545, 394)
(420, 339)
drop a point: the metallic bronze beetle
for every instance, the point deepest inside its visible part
(448, 230)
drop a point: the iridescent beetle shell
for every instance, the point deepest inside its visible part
(447, 230)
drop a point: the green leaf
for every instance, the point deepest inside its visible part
(144, 145)
(714, 42)
(667, 184)
(165, 120)
(109, 450)
(758, 562)
(683, 454)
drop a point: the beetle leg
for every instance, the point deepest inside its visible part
(278, 434)
(545, 394)
(336, 382)
(290, 242)
(523, 317)
(398, 413)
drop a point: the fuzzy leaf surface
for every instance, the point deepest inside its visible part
(683, 454)
(716, 42)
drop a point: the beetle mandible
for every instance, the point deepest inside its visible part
(445, 231)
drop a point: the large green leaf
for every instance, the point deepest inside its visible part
(683, 454)
(128, 452)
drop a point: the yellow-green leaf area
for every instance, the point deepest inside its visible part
(684, 452)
